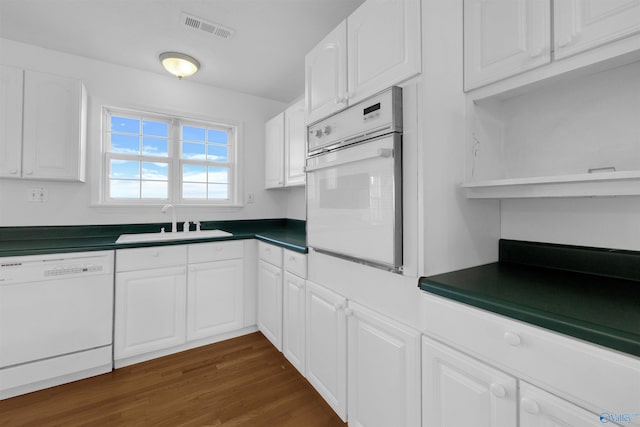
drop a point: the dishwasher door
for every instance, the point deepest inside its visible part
(64, 307)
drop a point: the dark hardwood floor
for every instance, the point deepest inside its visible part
(244, 381)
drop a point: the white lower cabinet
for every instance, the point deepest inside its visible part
(326, 326)
(215, 298)
(293, 320)
(458, 390)
(473, 359)
(383, 370)
(150, 310)
(169, 297)
(541, 409)
(270, 302)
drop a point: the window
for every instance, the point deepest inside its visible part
(156, 158)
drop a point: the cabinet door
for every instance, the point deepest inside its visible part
(384, 370)
(583, 24)
(54, 122)
(460, 391)
(215, 295)
(293, 321)
(326, 75)
(274, 152)
(150, 310)
(503, 38)
(384, 43)
(295, 147)
(270, 302)
(541, 409)
(11, 80)
(327, 346)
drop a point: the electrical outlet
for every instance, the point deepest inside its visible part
(38, 195)
(249, 197)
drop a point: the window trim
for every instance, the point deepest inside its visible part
(174, 160)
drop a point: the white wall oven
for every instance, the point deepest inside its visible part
(354, 182)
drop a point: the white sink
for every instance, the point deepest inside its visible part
(159, 237)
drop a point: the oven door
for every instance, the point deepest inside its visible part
(354, 202)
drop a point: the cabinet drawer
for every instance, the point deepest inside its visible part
(295, 263)
(215, 251)
(151, 257)
(270, 253)
(595, 378)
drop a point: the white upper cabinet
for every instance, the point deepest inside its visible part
(383, 39)
(11, 80)
(294, 144)
(583, 24)
(52, 112)
(377, 46)
(326, 75)
(274, 152)
(503, 38)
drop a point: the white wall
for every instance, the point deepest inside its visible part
(108, 84)
(607, 222)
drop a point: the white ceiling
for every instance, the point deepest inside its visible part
(264, 58)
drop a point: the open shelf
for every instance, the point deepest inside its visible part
(578, 185)
(542, 142)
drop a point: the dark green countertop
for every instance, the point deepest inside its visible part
(19, 241)
(598, 308)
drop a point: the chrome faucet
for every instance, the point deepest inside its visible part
(174, 227)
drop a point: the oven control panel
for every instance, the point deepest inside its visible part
(381, 113)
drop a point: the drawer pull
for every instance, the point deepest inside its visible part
(498, 390)
(530, 406)
(512, 338)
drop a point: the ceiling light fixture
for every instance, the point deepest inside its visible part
(179, 64)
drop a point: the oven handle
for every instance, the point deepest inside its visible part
(380, 152)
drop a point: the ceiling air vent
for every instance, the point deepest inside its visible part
(211, 28)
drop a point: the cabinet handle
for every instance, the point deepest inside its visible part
(292, 258)
(156, 254)
(530, 406)
(28, 172)
(498, 390)
(348, 312)
(512, 338)
(338, 306)
(13, 171)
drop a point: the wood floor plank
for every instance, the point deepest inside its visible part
(243, 381)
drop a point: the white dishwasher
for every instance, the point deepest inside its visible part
(56, 319)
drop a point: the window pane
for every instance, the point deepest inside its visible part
(129, 144)
(193, 151)
(155, 171)
(155, 190)
(193, 134)
(155, 147)
(218, 191)
(125, 169)
(192, 173)
(218, 175)
(155, 128)
(123, 124)
(121, 189)
(217, 153)
(217, 136)
(194, 191)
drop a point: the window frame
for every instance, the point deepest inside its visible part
(174, 159)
